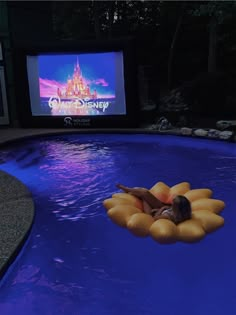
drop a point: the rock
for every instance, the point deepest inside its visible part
(225, 135)
(224, 124)
(162, 124)
(200, 132)
(213, 133)
(186, 131)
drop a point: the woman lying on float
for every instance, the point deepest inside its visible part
(167, 214)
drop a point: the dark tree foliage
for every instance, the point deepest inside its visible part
(107, 18)
(73, 19)
(179, 40)
(218, 13)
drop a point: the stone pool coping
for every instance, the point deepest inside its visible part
(16, 218)
(16, 203)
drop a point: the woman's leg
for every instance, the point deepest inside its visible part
(143, 194)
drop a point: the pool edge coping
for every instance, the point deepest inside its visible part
(19, 201)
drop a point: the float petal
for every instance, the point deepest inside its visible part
(179, 189)
(128, 197)
(161, 191)
(163, 231)
(120, 214)
(112, 202)
(139, 224)
(190, 231)
(209, 220)
(195, 194)
(213, 205)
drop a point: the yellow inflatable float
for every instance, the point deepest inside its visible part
(127, 211)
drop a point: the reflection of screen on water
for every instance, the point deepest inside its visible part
(88, 84)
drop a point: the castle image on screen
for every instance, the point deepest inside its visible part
(77, 85)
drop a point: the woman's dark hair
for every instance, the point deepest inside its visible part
(184, 207)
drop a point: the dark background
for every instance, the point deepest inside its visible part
(1, 102)
(185, 50)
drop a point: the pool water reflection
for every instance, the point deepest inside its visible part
(77, 261)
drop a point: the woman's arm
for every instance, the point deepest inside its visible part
(158, 216)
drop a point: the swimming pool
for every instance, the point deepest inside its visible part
(77, 262)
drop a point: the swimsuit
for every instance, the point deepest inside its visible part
(168, 211)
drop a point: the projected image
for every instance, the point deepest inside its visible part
(77, 85)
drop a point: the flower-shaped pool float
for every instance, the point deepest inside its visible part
(127, 211)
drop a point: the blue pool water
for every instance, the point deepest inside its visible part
(77, 262)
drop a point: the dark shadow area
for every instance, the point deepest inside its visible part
(184, 51)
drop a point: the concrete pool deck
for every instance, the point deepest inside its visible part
(16, 203)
